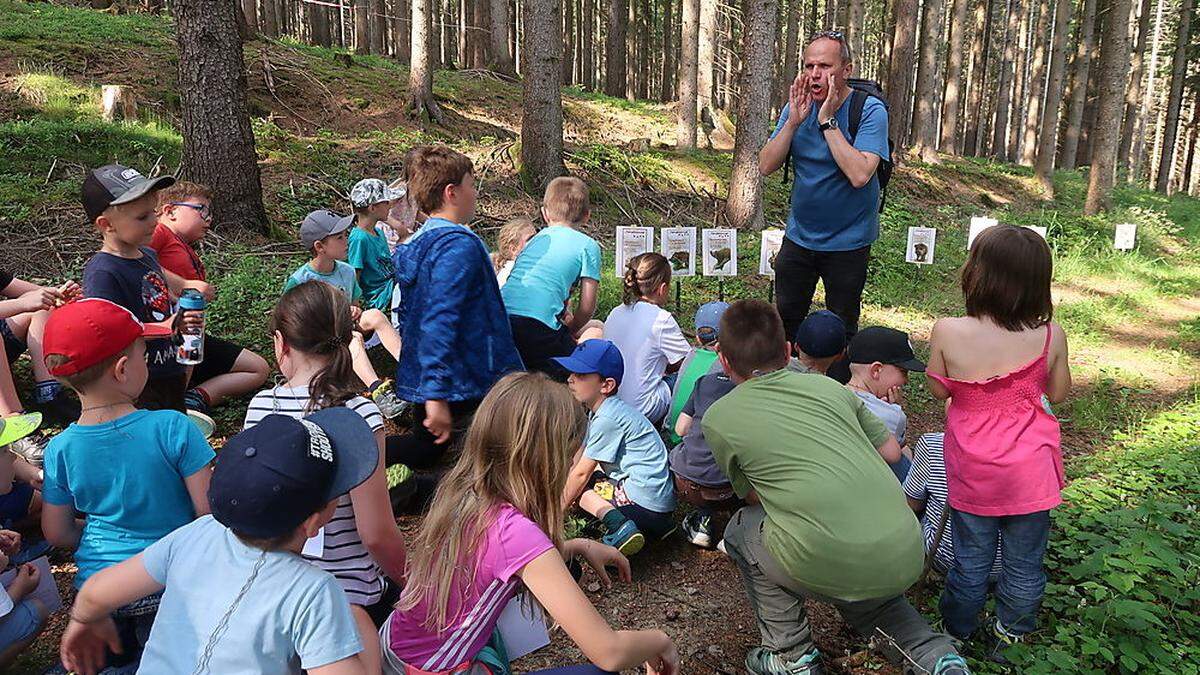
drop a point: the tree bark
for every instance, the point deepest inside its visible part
(218, 143)
(1079, 78)
(669, 65)
(1048, 128)
(1004, 85)
(705, 61)
(855, 28)
(1150, 91)
(744, 206)
(270, 19)
(250, 11)
(1133, 95)
(1083, 155)
(1185, 183)
(1166, 156)
(362, 26)
(614, 47)
(541, 88)
(791, 52)
(1020, 61)
(900, 73)
(589, 41)
(1037, 85)
(401, 32)
(977, 78)
(501, 55)
(378, 27)
(318, 24)
(420, 75)
(924, 123)
(952, 103)
(1106, 134)
(685, 127)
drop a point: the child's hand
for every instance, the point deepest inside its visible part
(355, 313)
(599, 556)
(84, 646)
(895, 395)
(38, 299)
(10, 543)
(206, 289)
(190, 321)
(27, 580)
(69, 292)
(438, 420)
(667, 663)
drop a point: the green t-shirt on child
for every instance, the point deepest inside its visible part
(837, 520)
(369, 254)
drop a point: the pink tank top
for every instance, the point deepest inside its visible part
(1003, 449)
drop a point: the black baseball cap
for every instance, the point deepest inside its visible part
(885, 345)
(113, 184)
(822, 334)
(272, 476)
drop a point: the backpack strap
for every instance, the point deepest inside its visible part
(858, 99)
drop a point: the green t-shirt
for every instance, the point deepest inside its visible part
(695, 366)
(368, 254)
(836, 519)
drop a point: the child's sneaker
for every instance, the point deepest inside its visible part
(698, 528)
(402, 485)
(627, 538)
(1002, 639)
(29, 449)
(763, 661)
(385, 397)
(951, 664)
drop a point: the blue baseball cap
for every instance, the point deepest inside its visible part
(822, 334)
(708, 320)
(595, 356)
(272, 476)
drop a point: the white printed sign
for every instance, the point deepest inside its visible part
(720, 252)
(678, 245)
(772, 241)
(1126, 236)
(632, 242)
(1040, 229)
(921, 241)
(979, 224)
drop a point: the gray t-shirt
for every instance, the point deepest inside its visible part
(692, 458)
(891, 414)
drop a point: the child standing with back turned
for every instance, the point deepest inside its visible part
(1002, 445)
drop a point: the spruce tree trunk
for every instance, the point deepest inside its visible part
(1020, 61)
(1004, 91)
(1166, 159)
(744, 206)
(1106, 134)
(378, 27)
(705, 62)
(1037, 85)
(900, 72)
(318, 24)
(1048, 128)
(541, 94)
(1133, 95)
(362, 26)
(980, 42)
(1079, 78)
(270, 18)
(791, 52)
(1185, 183)
(952, 102)
(856, 28)
(925, 122)
(689, 44)
(614, 47)
(589, 41)
(568, 33)
(250, 12)
(218, 143)
(1083, 155)
(1150, 93)
(667, 84)
(501, 54)
(420, 74)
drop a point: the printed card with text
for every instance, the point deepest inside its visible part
(772, 241)
(720, 252)
(979, 224)
(632, 241)
(1125, 237)
(921, 242)
(678, 246)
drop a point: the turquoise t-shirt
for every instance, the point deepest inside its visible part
(343, 277)
(126, 476)
(370, 257)
(546, 269)
(294, 615)
(629, 450)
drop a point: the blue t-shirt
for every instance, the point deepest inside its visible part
(293, 616)
(630, 451)
(828, 213)
(342, 278)
(546, 269)
(126, 476)
(137, 284)
(370, 256)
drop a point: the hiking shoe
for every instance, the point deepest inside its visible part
(627, 539)
(29, 449)
(951, 664)
(384, 396)
(194, 400)
(698, 529)
(1002, 639)
(763, 661)
(59, 411)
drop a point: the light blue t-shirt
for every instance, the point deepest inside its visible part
(370, 256)
(294, 615)
(546, 269)
(342, 278)
(629, 450)
(827, 212)
(126, 476)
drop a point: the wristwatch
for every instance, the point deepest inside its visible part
(828, 124)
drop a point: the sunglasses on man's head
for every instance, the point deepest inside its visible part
(831, 34)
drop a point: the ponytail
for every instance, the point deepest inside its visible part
(643, 274)
(314, 318)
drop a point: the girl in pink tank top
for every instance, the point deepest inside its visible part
(1000, 367)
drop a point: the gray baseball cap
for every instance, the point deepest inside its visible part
(371, 191)
(322, 223)
(113, 184)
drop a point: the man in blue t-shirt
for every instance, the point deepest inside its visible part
(834, 215)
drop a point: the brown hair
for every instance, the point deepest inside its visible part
(517, 451)
(752, 337)
(1007, 278)
(643, 274)
(314, 318)
(430, 169)
(86, 377)
(566, 200)
(507, 238)
(180, 191)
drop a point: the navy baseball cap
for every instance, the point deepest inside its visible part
(885, 345)
(708, 320)
(595, 356)
(272, 476)
(822, 334)
(113, 184)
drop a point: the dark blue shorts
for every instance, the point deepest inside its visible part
(15, 505)
(13, 345)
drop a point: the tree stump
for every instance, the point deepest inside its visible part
(117, 102)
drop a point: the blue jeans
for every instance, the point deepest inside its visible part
(1022, 580)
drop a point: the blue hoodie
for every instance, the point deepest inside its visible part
(457, 340)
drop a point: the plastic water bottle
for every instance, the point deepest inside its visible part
(191, 347)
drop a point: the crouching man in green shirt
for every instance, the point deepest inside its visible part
(826, 520)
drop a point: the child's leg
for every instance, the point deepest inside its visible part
(10, 403)
(361, 362)
(228, 371)
(19, 628)
(369, 635)
(1022, 578)
(373, 320)
(975, 539)
(905, 629)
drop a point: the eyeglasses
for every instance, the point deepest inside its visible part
(203, 209)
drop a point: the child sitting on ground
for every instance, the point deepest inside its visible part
(135, 475)
(634, 496)
(236, 595)
(23, 310)
(699, 481)
(819, 342)
(696, 364)
(20, 501)
(880, 360)
(555, 260)
(21, 617)
(509, 242)
(495, 526)
(311, 328)
(1003, 447)
(647, 335)
(368, 251)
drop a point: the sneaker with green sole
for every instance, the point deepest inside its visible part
(763, 661)
(627, 539)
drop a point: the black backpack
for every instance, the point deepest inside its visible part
(860, 89)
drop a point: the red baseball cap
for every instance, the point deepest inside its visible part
(90, 330)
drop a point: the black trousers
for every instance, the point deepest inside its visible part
(797, 269)
(418, 448)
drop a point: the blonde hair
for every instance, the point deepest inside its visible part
(566, 200)
(508, 238)
(517, 451)
(643, 274)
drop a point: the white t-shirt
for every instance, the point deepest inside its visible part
(649, 340)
